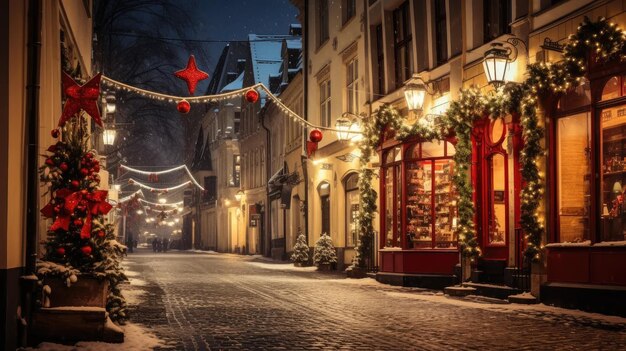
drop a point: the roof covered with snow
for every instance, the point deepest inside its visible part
(234, 85)
(265, 51)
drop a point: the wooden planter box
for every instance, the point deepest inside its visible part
(76, 313)
(87, 291)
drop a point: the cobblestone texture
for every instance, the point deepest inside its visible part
(224, 302)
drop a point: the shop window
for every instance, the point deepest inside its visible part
(496, 216)
(393, 197)
(576, 98)
(434, 149)
(613, 88)
(613, 164)
(352, 209)
(431, 208)
(324, 192)
(574, 176)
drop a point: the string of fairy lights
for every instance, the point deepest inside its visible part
(214, 98)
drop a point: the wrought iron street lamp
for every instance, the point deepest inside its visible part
(108, 135)
(415, 92)
(343, 128)
(239, 195)
(496, 64)
(498, 59)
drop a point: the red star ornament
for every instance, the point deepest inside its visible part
(79, 97)
(192, 75)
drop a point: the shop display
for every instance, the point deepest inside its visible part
(430, 205)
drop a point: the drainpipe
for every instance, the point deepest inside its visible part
(28, 286)
(268, 170)
(305, 172)
(32, 137)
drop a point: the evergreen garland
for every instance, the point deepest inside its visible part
(461, 115)
(594, 42)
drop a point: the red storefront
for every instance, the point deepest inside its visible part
(418, 206)
(586, 260)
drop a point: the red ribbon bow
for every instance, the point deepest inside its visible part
(96, 205)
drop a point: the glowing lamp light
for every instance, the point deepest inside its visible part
(176, 220)
(139, 212)
(496, 64)
(239, 195)
(414, 93)
(108, 136)
(343, 128)
(110, 105)
(162, 200)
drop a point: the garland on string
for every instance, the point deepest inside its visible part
(153, 176)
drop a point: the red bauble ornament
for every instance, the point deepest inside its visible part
(84, 172)
(183, 106)
(50, 162)
(63, 166)
(61, 251)
(192, 75)
(84, 97)
(86, 250)
(78, 222)
(101, 234)
(75, 184)
(84, 235)
(55, 133)
(252, 96)
(316, 135)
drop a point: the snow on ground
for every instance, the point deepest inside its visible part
(282, 266)
(206, 252)
(133, 296)
(508, 308)
(137, 281)
(136, 338)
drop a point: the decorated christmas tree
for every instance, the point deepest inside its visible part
(300, 253)
(324, 251)
(79, 241)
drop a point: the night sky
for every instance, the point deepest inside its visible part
(234, 20)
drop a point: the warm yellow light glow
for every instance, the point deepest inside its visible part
(414, 93)
(108, 136)
(162, 200)
(139, 212)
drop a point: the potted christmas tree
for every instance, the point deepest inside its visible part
(81, 265)
(324, 254)
(300, 255)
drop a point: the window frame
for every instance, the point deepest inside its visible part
(350, 189)
(352, 85)
(380, 59)
(325, 103)
(440, 21)
(323, 25)
(404, 44)
(504, 25)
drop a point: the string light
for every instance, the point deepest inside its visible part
(142, 185)
(164, 172)
(206, 98)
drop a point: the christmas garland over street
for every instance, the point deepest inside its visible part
(598, 41)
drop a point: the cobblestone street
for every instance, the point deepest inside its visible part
(197, 301)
